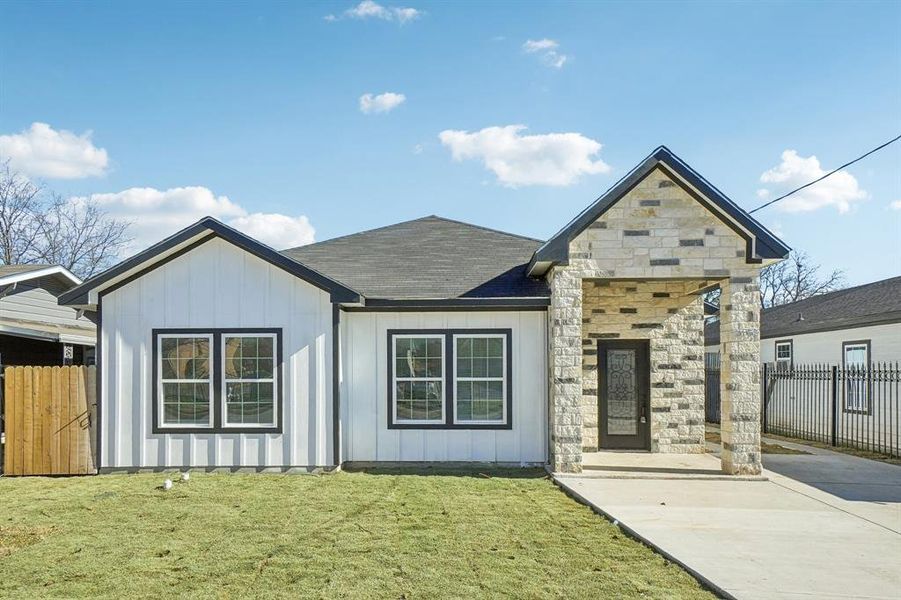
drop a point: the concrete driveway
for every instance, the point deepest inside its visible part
(823, 525)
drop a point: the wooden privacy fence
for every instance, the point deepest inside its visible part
(49, 420)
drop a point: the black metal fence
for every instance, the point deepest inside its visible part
(712, 387)
(857, 406)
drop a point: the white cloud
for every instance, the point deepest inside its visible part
(896, 205)
(41, 151)
(557, 159)
(418, 148)
(279, 231)
(840, 190)
(367, 9)
(156, 214)
(547, 51)
(380, 103)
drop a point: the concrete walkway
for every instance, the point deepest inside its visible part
(823, 525)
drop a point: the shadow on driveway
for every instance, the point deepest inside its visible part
(847, 477)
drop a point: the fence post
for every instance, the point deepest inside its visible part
(766, 396)
(834, 405)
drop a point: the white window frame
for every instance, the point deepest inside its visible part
(784, 363)
(860, 386)
(395, 378)
(161, 405)
(225, 381)
(503, 378)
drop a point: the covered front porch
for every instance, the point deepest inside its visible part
(635, 352)
(626, 320)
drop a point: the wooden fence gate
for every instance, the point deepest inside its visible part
(49, 417)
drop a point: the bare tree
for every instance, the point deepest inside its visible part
(793, 279)
(20, 202)
(40, 227)
(80, 236)
(796, 278)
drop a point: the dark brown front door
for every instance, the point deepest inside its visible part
(624, 381)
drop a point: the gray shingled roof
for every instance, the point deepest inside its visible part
(431, 257)
(16, 269)
(869, 304)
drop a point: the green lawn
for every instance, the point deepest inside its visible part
(386, 535)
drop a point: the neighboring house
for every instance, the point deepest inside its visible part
(853, 326)
(34, 328)
(435, 340)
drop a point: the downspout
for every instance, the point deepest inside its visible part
(336, 385)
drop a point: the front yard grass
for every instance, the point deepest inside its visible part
(374, 535)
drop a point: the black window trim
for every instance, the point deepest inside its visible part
(449, 376)
(216, 367)
(868, 409)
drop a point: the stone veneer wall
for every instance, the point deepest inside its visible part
(740, 373)
(667, 314)
(657, 230)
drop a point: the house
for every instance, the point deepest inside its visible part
(435, 340)
(34, 328)
(854, 326)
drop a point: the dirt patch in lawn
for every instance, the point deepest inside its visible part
(13, 538)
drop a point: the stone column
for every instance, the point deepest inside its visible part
(565, 370)
(740, 373)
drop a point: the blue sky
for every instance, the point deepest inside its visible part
(166, 111)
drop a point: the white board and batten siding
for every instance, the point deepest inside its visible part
(364, 397)
(216, 285)
(826, 346)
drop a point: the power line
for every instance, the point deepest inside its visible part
(847, 164)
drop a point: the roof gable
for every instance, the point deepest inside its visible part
(761, 243)
(428, 258)
(12, 274)
(187, 239)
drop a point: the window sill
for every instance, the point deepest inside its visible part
(460, 426)
(217, 430)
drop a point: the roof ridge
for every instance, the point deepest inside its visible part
(483, 228)
(432, 216)
(833, 294)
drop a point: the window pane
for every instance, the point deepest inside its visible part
(402, 347)
(418, 400)
(464, 367)
(265, 368)
(480, 358)
(184, 358)
(249, 357)
(186, 403)
(250, 403)
(495, 367)
(402, 368)
(433, 367)
(418, 360)
(419, 365)
(495, 411)
(464, 410)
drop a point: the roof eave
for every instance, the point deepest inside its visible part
(85, 295)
